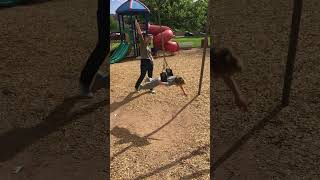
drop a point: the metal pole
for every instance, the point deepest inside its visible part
(203, 60)
(162, 43)
(204, 53)
(123, 28)
(133, 36)
(119, 19)
(295, 25)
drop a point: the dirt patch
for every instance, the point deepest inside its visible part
(163, 135)
(286, 146)
(45, 128)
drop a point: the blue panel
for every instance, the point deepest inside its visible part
(137, 7)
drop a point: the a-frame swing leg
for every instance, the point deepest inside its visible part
(295, 25)
(202, 64)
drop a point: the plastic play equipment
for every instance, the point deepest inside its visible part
(167, 35)
(127, 14)
(120, 52)
(128, 11)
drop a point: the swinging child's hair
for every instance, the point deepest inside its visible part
(179, 81)
(224, 62)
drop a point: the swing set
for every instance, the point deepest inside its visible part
(166, 70)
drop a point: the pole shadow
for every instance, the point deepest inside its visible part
(236, 146)
(199, 151)
(16, 140)
(196, 174)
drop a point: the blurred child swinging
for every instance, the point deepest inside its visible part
(225, 65)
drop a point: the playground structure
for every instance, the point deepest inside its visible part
(127, 13)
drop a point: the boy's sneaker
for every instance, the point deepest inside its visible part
(138, 89)
(152, 91)
(148, 80)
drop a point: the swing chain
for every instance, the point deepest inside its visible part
(165, 63)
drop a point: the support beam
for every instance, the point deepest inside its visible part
(203, 61)
(295, 25)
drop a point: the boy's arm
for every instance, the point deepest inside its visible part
(139, 30)
(231, 83)
(183, 91)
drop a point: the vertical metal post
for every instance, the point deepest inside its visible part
(295, 25)
(204, 52)
(203, 60)
(132, 32)
(162, 43)
(123, 28)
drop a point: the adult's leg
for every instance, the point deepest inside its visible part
(99, 53)
(143, 71)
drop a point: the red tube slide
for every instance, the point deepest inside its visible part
(167, 34)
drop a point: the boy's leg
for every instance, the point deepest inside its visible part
(150, 69)
(150, 72)
(143, 71)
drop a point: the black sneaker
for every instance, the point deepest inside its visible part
(138, 88)
(152, 91)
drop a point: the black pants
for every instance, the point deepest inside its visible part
(146, 66)
(99, 53)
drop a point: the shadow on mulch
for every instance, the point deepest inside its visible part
(199, 151)
(16, 140)
(236, 146)
(115, 105)
(127, 136)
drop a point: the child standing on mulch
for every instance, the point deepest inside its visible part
(146, 65)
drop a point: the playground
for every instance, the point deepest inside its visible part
(267, 142)
(163, 135)
(157, 135)
(46, 131)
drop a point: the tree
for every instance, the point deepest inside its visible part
(113, 24)
(179, 14)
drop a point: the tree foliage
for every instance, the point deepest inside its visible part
(113, 24)
(185, 15)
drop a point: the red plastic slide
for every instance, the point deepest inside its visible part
(167, 34)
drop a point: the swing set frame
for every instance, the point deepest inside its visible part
(165, 63)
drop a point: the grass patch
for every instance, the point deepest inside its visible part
(196, 41)
(114, 45)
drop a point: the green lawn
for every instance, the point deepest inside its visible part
(114, 45)
(196, 41)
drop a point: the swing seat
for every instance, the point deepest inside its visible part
(165, 74)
